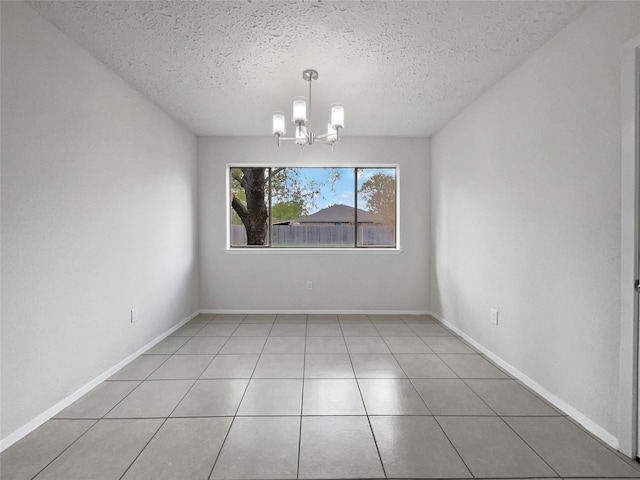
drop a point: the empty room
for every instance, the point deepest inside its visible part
(319, 239)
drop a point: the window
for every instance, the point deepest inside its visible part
(305, 207)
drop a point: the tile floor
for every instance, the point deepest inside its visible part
(311, 396)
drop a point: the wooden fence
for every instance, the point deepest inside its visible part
(321, 235)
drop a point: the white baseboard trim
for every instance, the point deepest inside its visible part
(311, 311)
(64, 403)
(579, 417)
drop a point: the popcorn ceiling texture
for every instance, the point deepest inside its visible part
(400, 68)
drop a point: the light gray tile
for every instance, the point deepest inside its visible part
(416, 447)
(212, 398)
(508, 397)
(328, 366)
(450, 397)
(284, 345)
(326, 345)
(260, 447)
(332, 397)
(571, 451)
(182, 367)
(366, 345)
(279, 366)
(424, 366)
(338, 447)
(104, 452)
(183, 448)
(272, 397)
(228, 318)
(25, 458)
(289, 330)
(354, 317)
(418, 319)
(97, 402)
(406, 345)
(385, 319)
(394, 330)
(253, 330)
(231, 366)
(153, 398)
(447, 345)
(140, 368)
(218, 330)
(291, 318)
(260, 318)
(202, 318)
(188, 330)
(322, 317)
(202, 346)
(391, 396)
(429, 330)
(490, 448)
(168, 346)
(359, 329)
(472, 366)
(376, 366)
(328, 329)
(243, 345)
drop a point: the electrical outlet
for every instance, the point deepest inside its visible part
(309, 285)
(134, 315)
(494, 316)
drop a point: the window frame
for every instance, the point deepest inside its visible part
(269, 249)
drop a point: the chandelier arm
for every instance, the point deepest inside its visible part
(325, 142)
(325, 135)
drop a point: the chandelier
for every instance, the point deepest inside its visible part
(301, 119)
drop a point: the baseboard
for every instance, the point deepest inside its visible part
(308, 311)
(64, 403)
(579, 417)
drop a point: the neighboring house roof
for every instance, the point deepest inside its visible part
(338, 214)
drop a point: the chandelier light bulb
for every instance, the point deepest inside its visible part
(337, 115)
(300, 109)
(279, 124)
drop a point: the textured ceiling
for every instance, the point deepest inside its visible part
(399, 68)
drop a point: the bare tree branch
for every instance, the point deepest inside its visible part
(239, 208)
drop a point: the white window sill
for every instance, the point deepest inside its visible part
(311, 251)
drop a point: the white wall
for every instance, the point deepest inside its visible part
(526, 216)
(99, 215)
(341, 282)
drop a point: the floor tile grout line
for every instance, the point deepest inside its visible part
(160, 417)
(140, 382)
(95, 422)
(454, 447)
(304, 366)
(226, 436)
(143, 448)
(364, 406)
(528, 445)
(464, 381)
(237, 408)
